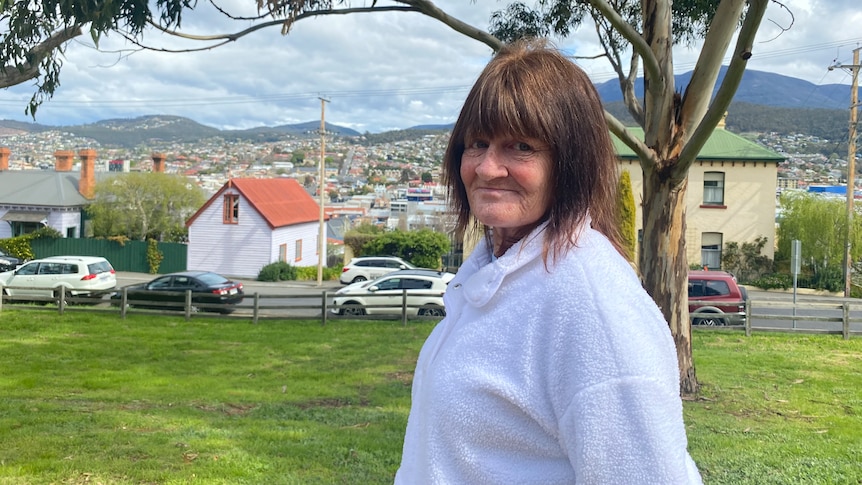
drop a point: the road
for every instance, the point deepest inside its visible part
(294, 293)
(286, 294)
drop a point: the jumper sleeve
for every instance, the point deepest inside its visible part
(627, 430)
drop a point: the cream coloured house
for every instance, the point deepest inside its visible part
(731, 195)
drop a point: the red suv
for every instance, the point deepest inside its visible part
(715, 292)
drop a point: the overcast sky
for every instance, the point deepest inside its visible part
(379, 71)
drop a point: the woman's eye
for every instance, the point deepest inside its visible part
(523, 147)
(479, 145)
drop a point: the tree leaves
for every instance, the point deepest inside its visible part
(143, 205)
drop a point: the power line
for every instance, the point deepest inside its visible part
(758, 55)
(244, 99)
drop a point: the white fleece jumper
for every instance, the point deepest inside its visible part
(536, 377)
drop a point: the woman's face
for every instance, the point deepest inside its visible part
(508, 181)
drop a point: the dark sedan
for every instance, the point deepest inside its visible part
(209, 292)
(7, 262)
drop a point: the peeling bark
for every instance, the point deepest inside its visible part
(663, 252)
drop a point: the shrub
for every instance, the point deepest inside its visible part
(772, 281)
(309, 273)
(422, 248)
(306, 273)
(121, 240)
(278, 271)
(745, 261)
(154, 255)
(20, 247)
(626, 213)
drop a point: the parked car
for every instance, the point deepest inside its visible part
(384, 295)
(87, 276)
(169, 292)
(7, 262)
(369, 268)
(715, 292)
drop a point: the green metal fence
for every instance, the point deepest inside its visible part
(131, 256)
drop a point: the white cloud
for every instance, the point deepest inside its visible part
(381, 71)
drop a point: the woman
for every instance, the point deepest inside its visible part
(552, 365)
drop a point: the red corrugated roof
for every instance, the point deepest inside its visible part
(280, 201)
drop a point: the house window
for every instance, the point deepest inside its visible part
(71, 232)
(710, 250)
(282, 252)
(231, 209)
(713, 188)
(298, 255)
(21, 228)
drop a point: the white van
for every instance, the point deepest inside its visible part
(88, 276)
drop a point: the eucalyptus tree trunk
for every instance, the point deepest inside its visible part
(663, 259)
(663, 253)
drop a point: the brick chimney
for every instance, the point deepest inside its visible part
(159, 162)
(63, 160)
(4, 158)
(87, 182)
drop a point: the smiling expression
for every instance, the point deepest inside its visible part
(508, 181)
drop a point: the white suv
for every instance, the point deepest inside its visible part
(79, 276)
(368, 268)
(424, 292)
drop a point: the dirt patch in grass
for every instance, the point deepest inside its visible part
(229, 409)
(333, 402)
(405, 378)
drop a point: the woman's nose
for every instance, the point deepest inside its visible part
(491, 164)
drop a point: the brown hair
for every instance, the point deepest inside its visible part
(530, 89)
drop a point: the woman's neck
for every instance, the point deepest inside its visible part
(504, 238)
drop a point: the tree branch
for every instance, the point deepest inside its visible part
(629, 96)
(421, 6)
(646, 155)
(639, 44)
(604, 34)
(17, 74)
(660, 99)
(698, 93)
(732, 78)
(232, 37)
(428, 8)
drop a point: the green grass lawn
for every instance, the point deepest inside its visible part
(89, 398)
(777, 409)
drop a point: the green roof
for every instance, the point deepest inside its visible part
(722, 145)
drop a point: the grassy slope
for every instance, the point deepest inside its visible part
(88, 398)
(777, 409)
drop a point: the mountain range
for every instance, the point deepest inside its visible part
(757, 87)
(763, 100)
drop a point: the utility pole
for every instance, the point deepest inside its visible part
(851, 164)
(321, 186)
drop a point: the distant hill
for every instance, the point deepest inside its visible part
(309, 128)
(402, 135)
(446, 127)
(757, 87)
(743, 117)
(764, 102)
(132, 132)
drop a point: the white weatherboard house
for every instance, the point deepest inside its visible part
(32, 199)
(250, 223)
